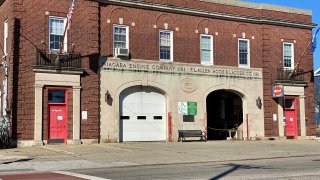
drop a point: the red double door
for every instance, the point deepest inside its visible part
(291, 118)
(57, 116)
(58, 122)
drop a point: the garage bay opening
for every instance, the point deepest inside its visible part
(143, 114)
(224, 115)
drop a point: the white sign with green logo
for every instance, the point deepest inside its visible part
(187, 108)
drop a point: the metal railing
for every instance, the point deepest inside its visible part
(289, 75)
(55, 59)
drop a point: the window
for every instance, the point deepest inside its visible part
(5, 34)
(206, 47)
(288, 60)
(120, 36)
(56, 96)
(289, 104)
(244, 52)
(166, 45)
(56, 30)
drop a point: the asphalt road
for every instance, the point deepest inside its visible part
(304, 167)
(282, 159)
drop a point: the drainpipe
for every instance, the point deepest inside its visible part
(5, 89)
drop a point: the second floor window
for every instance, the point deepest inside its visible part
(56, 30)
(166, 45)
(288, 60)
(206, 48)
(244, 52)
(5, 37)
(120, 36)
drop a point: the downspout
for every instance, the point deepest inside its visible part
(5, 83)
(5, 88)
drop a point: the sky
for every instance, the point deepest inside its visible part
(313, 5)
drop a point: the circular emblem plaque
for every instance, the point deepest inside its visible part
(188, 85)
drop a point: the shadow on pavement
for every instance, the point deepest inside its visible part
(16, 161)
(235, 167)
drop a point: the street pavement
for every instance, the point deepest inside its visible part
(62, 159)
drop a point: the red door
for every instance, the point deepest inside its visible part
(57, 116)
(291, 118)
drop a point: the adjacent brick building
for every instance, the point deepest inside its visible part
(128, 69)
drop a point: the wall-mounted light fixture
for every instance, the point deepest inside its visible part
(258, 102)
(107, 96)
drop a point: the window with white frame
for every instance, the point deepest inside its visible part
(120, 36)
(166, 45)
(244, 52)
(288, 55)
(206, 48)
(5, 37)
(56, 31)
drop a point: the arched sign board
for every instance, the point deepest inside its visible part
(277, 91)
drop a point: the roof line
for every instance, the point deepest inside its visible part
(261, 6)
(206, 13)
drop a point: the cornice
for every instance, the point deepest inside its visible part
(206, 13)
(261, 6)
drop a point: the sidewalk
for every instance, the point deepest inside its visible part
(67, 157)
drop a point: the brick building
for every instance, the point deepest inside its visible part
(142, 70)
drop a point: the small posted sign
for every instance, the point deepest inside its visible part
(277, 91)
(187, 108)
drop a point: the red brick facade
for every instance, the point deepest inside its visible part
(266, 47)
(92, 34)
(31, 32)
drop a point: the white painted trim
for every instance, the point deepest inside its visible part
(65, 42)
(248, 57)
(5, 37)
(292, 58)
(211, 49)
(127, 36)
(299, 93)
(281, 127)
(171, 45)
(303, 123)
(48, 79)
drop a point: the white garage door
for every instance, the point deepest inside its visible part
(142, 114)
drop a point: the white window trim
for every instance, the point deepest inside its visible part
(65, 42)
(248, 60)
(211, 50)
(127, 36)
(292, 58)
(171, 45)
(5, 37)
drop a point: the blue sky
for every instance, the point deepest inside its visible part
(313, 5)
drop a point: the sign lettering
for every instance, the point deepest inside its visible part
(179, 68)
